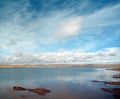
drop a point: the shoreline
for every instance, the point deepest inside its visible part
(59, 65)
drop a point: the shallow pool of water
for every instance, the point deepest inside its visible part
(64, 83)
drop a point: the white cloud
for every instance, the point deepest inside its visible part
(110, 55)
(69, 27)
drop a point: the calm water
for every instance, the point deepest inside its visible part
(64, 83)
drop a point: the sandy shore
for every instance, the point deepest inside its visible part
(59, 65)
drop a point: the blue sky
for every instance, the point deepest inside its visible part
(37, 27)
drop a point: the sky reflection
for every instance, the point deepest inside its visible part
(64, 83)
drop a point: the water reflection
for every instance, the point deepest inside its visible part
(114, 91)
(64, 83)
(116, 76)
(109, 83)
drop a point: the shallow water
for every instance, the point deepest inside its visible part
(64, 83)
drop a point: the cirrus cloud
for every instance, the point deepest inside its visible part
(37, 26)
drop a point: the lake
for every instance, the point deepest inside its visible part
(63, 83)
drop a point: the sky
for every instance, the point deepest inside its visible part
(59, 31)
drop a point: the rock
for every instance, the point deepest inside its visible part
(112, 83)
(116, 76)
(117, 96)
(40, 91)
(109, 83)
(111, 90)
(17, 88)
(115, 69)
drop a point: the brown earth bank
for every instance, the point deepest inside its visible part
(59, 65)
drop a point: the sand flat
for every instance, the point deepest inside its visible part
(58, 65)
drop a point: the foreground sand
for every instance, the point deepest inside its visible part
(59, 65)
